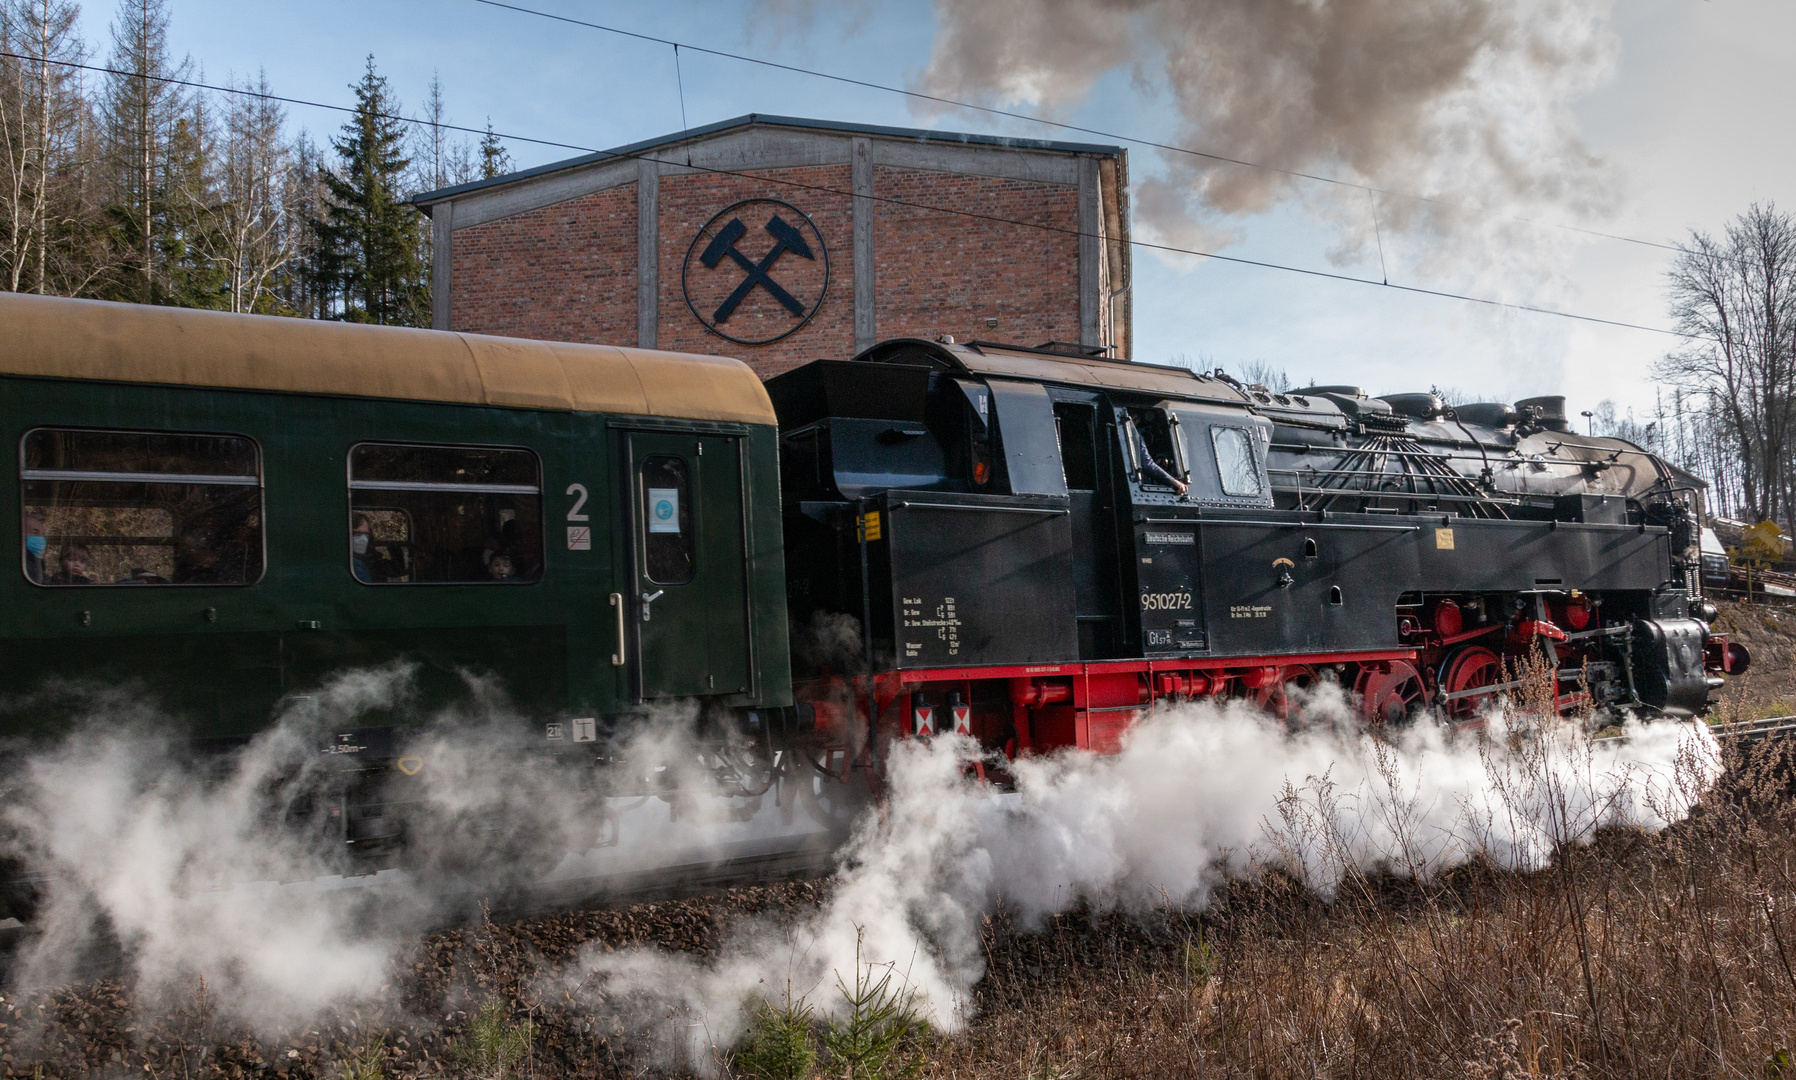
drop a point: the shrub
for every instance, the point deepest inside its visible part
(780, 1044)
(368, 1063)
(492, 1048)
(870, 1043)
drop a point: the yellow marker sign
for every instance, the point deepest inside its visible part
(1443, 539)
(1763, 542)
(410, 765)
(869, 527)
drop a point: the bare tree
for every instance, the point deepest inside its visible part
(141, 106)
(42, 113)
(1263, 373)
(441, 160)
(247, 232)
(1735, 298)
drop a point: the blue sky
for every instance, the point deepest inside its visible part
(1691, 120)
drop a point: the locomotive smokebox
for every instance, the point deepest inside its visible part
(1668, 660)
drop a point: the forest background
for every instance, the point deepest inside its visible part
(122, 180)
(125, 184)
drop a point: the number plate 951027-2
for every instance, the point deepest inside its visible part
(1172, 601)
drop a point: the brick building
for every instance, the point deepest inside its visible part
(780, 240)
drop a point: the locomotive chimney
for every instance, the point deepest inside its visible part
(1549, 412)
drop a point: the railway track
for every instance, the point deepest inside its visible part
(1755, 731)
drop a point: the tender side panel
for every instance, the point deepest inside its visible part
(978, 580)
(1467, 555)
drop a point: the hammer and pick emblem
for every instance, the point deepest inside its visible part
(795, 287)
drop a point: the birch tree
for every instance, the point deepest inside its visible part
(1735, 296)
(247, 233)
(42, 114)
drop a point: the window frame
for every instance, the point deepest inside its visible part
(260, 483)
(690, 467)
(351, 486)
(1249, 437)
(1139, 450)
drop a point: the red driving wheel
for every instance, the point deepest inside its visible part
(1273, 697)
(1390, 691)
(1469, 668)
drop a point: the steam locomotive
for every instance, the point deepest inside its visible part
(1030, 545)
(1044, 542)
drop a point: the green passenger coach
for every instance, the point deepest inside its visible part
(217, 511)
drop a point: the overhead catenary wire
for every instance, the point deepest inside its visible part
(886, 199)
(1012, 114)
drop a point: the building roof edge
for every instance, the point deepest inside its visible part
(637, 149)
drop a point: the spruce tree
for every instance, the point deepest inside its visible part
(373, 237)
(494, 160)
(189, 220)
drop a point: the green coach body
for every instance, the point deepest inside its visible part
(242, 507)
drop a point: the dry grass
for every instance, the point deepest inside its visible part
(1688, 939)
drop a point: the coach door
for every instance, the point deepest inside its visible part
(688, 612)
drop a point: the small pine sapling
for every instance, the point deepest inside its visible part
(780, 1044)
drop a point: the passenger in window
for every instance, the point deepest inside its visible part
(73, 563)
(526, 549)
(361, 547)
(36, 543)
(500, 568)
(195, 561)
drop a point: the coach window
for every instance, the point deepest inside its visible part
(1235, 461)
(667, 545)
(140, 508)
(437, 515)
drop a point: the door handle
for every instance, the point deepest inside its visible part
(647, 599)
(617, 601)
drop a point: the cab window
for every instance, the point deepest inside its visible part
(1235, 460)
(437, 515)
(140, 508)
(1154, 453)
(666, 498)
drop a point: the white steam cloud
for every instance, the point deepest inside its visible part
(1200, 794)
(150, 850)
(234, 870)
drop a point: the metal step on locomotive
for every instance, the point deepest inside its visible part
(1033, 545)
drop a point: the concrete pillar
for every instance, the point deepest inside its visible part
(648, 253)
(866, 327)
(1090, 251)
(441, 260)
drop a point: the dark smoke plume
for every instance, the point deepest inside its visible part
(1466, 101)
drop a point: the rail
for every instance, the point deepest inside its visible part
(1752, 731)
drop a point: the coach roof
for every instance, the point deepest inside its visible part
(95, 339)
